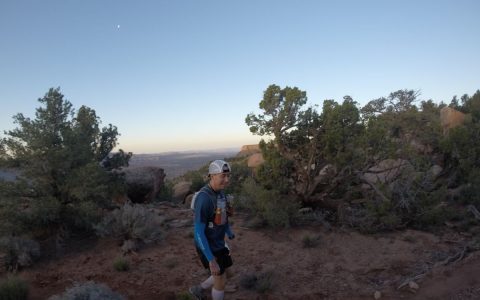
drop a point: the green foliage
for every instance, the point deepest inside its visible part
(462, 145)
(120, 264)
(269, 205)
(198, 178)
(395, 126)
(276, 170)
(281, 110)
(184, 296)
(264, 282)
(351, 141)
(341, 124)
(198, 181)
(462, 149)
(18, 252)
(304, 140)
(240, 172)
(131, 222)
(166, 191)
(88, 290)
(13, 288)
(65, 158)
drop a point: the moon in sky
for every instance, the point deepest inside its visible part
(118, 26)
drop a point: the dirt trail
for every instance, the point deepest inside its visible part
(341, 265)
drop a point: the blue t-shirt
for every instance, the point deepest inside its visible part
(210, 230)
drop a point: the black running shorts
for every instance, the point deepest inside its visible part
(224, 260)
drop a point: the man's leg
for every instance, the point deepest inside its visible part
(207, 283)
(218, 289)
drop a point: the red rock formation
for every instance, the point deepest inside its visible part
(450, 118)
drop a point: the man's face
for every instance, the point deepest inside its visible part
(219, 181)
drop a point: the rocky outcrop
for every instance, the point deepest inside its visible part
(181, 190)
(248, 150)
(450, 118)
(143, 183)
(255, 160)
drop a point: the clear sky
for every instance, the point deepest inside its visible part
(183, 74)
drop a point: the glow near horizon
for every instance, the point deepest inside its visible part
(183, 75)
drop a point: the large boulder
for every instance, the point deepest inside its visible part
(181, 190)
(450, 118)
(143, 183)
(387, 171)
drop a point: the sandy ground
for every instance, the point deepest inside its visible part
(342, 264)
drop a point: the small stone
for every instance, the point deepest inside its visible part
(413, 285)
(377, 295)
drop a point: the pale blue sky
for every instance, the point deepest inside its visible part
(182, 75)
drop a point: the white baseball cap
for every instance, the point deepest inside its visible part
(218, 166)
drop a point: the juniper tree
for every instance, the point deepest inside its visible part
(304, 141)
(64, 157)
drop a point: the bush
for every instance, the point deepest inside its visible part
(248, 281)
(13, 288)
(88, 291)
(166, 191)
(196, 178)
(121, 264)
(19, 252)
(269, 205)
(131, 222)
(184, 296)
(309, 241)
(240, 172)
(261, 283)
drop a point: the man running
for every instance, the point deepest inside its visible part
(210, 228)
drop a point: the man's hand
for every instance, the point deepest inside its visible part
(214, 268)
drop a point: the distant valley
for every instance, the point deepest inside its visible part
(178, 163)
(174, 163)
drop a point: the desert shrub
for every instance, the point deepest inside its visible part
(197, 178)
(269, 205)
(462, 151)
(13, 288)
(184, 296)
(19, 252)
(248, 281)
(309, 241)
(170, 263)
(264, 282)
(166, 191)
(471, 192)
(240, 172)
(261, 283)
(276, 170)
(131, 222)
(121, 264)
(88, 291)
(413, 199)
